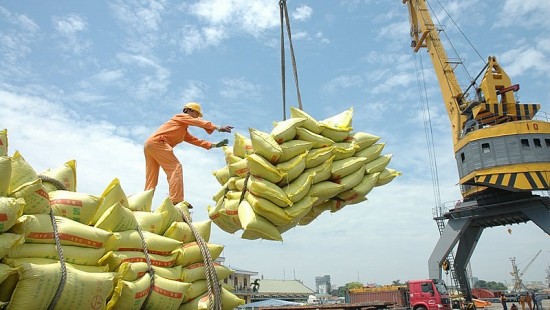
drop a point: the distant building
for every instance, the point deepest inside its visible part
(254, 290)
(242, 283)
(322, 284)
(289, 290)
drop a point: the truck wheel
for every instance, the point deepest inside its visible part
(420, 308)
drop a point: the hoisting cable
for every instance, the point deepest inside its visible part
(472, 80)
(461, 32)
(284, 11)
(283, 72)
(439, 58)
(428, 131)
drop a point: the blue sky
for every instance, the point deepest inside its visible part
(92, 80)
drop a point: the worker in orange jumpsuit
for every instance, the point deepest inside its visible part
(159, 146)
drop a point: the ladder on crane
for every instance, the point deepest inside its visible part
(450, 269)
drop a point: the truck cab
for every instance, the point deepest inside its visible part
(428, 294)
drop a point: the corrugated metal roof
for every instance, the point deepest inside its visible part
(269, 303)
(283, 286)
(243, 271)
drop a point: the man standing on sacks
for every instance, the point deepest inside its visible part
(158, 148)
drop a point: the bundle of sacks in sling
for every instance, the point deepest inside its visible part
(115, 253)
(289, 176)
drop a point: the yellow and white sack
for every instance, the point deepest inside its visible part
(130, 240)
(38, 284)
(64, 174)
(190, 253)
(141, 201)
(10, 211)
(72, 254)
(181, 231)
(38, 229)
(112, 194)
(77, 206)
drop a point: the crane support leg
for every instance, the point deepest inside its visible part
(446, 243)
(466, 246)
(537, 212)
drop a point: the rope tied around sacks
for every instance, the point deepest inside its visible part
(61, 286)
(245, 187)
(150, 270)
(214, 287)
(58, 247)
(58, 185)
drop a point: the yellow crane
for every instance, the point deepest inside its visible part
(518, 282)
(497, 142)
(502, 151)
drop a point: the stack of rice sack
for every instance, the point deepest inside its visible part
(104, 241)
(303, 167)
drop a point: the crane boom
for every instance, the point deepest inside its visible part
(425, 35)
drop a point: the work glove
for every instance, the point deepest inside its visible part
(221, 143)
(225, 128)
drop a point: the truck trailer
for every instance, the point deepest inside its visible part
(430, 294)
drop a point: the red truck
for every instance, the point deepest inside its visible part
(428, 294)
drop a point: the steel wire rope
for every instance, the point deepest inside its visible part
(212, 282)
(283, 71)
(447, 37)
(443, 65)
(428, 130)
(284, 12)
(472, 80)
(461, 32)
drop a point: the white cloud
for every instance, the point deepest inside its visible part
(16, 40)
(193, 91)
(240, 88)
(527, 60)
(192, 38)
(69, 27)
(84, 96)
(142, 21)
(302, 13)
(343, 82)
(108, 76)
(527, 13)
(139, 16)
(147, 85)
(300, 35)
(20, 20)
(252, 17)
(319, 35)
(397, 30)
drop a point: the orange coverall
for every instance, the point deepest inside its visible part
(158, 150)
